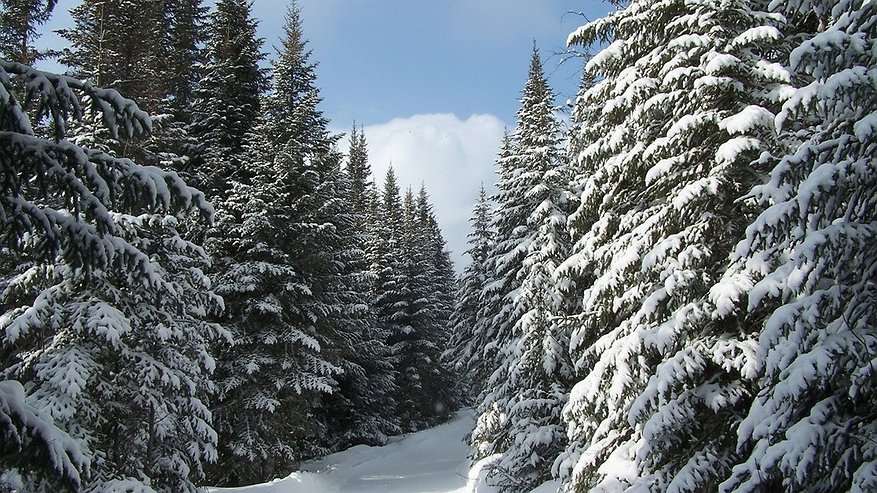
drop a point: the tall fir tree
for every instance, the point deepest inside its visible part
(528, 389)
(19, 23)
(298, 201)
(103, 315)
(186, 34)
(359, 172)
(438, 379)
(362, 408)
(227, 101)
(121, 44)
(807, 269)
(685, 101)
(465, 345)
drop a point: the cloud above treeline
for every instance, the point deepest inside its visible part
(450, 156)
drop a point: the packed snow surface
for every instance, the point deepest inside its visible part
(430, 461)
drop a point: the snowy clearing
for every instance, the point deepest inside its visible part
(430, 461)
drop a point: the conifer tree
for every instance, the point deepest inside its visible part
(226, 103)
(187, 32)
(361, 409)
(439, 398)
(685, 101)
(146, 50)
(297, 211)
(19, 20)
(487, 335)
(358, 172)
(390, 300)
(121, 44)
(465, 345)
(807, 268)
(528, 388)
(103, 313)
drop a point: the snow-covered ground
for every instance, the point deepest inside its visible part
(430, 461)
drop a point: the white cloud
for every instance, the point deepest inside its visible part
(452, 157)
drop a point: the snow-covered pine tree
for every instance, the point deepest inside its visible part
(409, 313)
(685, 101)
(529, 387)
(145, 49)
(101, 318)
(808, 268)
(120, 44)
(329, 252)
(412, 298)
(485, 336)
(391, 289)
(491, 333)
(464, 347)
(226, 102)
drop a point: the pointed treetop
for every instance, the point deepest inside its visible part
(537, 87)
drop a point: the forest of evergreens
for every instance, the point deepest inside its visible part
(213, 294)
(674, 292)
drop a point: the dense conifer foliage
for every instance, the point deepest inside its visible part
(717, 286)
(134, 357)
(674, 292)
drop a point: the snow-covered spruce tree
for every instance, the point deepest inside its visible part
(439, 398)
(329, 252)
(808, 269)
(226, 103)
(359, 172)
(685, 102)
(120, 44)
(391, 288)
(19, 20)
(484, 357)
(362, 408)
(529, 387)
(300, 320)
(490, 333)
(145, 49)
(267, 376)
(464, 348)
(102, 312)
(186, 34)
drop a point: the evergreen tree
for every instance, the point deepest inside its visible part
(486, 335)
(226, 102)
(529, 388)
(186, 34)
(464, 346)
(438, 382)
(361, 409)
(19, 20)
(146, 50)
(275, 364)
(314, 297)
(390, 301)
(120, 44)
(102, 304)
(807, 269)
(685, 101)
(358, 172)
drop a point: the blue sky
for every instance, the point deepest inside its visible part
(433, 81)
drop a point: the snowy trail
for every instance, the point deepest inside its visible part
(430, 461)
